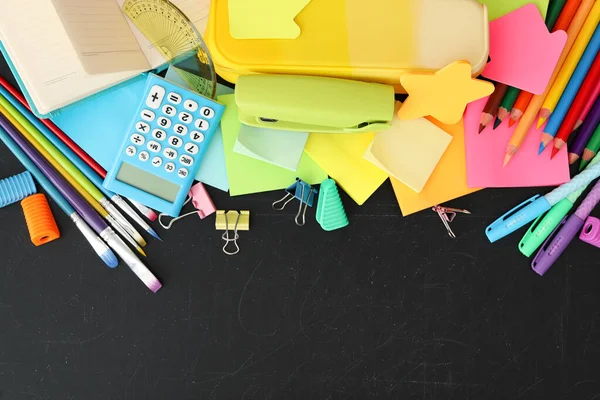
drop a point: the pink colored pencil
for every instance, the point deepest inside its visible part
(588, 105)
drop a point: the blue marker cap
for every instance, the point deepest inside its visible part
(517, 218)
(556, 244)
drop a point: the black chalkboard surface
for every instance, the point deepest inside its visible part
(387, 308)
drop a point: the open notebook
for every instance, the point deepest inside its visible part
(66, 50)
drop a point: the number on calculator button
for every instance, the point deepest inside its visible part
(169, 167)
(155, 97)
(191, 148)
(185, 117)
(169, 110)
(202, 125)
(171, 154)
(144, 156)
(157, 161)
(153, 146)
(182, 172)
(174, 98)
(148, 115)
(180, 129)
(175, 141)
(142, 127)
(130, 151)
(138, 139)
(190, 105)
(159, 134)
(164, 122)
(207, 112)
(186, 160)
(197, 136)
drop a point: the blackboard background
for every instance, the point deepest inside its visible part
(388, 308)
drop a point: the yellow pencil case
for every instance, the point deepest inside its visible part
(375, 41)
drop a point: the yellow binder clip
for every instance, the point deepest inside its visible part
(240, 221)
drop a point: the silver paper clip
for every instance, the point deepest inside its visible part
(447, 215)
(298, 190)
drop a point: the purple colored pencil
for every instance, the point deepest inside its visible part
(585, 133)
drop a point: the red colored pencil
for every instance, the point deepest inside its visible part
(566, 15)
(587, 88)
(520, 106)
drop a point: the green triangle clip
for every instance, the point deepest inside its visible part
(330, 210)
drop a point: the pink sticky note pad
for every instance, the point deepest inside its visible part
(485, 156)
(523, 53)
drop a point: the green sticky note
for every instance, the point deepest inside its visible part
(498, 8)
(248, 175)
(265, 19)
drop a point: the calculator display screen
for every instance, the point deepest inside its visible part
(148, 182)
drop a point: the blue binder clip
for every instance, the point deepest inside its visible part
(303, 192)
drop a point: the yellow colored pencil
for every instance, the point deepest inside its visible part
(570, 63)
(63, 172)
(537, 101)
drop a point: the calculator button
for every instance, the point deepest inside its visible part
(175, 141)
(190, 105)
(202, 125)
(180, 129)
(159, 134)
(153, 146)
(185, 117)
(169, 167)
(130, 151)
(169, 110)
(207, 112)
(155, 97)
(142, 127)
(191, 148)
(164, 122)
(197, 137)
(144, 156)
(148, 115)
(186, 160)
(157, 161)
(138, 139)
(174, 98)
(182, 173)
(171, 154)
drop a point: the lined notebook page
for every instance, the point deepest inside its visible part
(101, 36)
(38, 45)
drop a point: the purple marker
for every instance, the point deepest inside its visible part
(586, 132)
(564, 233)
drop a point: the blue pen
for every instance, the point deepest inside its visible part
(537, 205)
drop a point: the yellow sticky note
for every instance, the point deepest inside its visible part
(499, 8)
(341, 156)
(409, 151)
(448, 180)
(264, 19)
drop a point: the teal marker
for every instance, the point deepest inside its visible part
(544, 225)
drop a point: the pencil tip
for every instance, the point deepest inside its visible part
(582, 165)
(497, 123)
(541, 148)
(573, 158)
(141, 251)
(554, 151)
(540, 122)
(507, 158)
(481, 128)
(511, 122)
(153, 233)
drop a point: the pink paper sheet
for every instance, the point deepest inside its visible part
(523, 53)
(485, 155)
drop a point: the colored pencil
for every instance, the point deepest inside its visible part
(588, 105)
(561, 24)
(570, 63)
(569, 118)
(103, 251)
(17, 124)
(590, 149)
(491, 107)
(81, 154)
(554, 9)
(507, 104)
(83, 208)
(531, 113)
(586, 132)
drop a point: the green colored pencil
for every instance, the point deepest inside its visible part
(591, 148)
(507, 104)
(554, 9)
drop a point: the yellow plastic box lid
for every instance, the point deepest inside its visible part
(375, 40)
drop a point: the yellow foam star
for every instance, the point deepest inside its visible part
(443, 95)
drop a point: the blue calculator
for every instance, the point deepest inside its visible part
(164, 145)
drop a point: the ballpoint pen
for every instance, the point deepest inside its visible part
(557, 243)
(33, 134)
(103, 251)
(84, 209)
(77, 156)
(537, 205)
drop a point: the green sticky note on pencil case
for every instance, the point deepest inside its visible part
(248, 175)
(498, 8)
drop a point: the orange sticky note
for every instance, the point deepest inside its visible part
(448, 181)
(443, 95)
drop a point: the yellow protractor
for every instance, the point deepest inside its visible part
(176, 39)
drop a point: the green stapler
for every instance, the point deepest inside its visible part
(314, 104)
